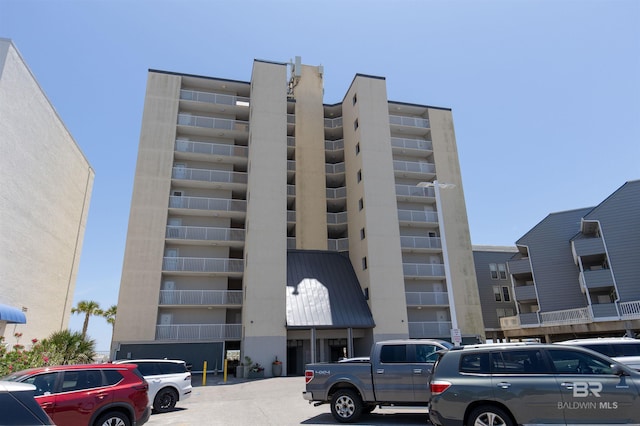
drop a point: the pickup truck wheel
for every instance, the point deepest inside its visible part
(488, 415)
(346, 406)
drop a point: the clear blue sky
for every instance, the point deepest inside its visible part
(545, 94)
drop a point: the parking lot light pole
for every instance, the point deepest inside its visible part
(455, 331)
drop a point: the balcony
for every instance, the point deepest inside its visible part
(604, 311)
(336, 145)
(337, 218)
(416, 169)
(418, 217)
(340, 244)
(213, 206)
(209, 234)
(404, 145)
(192, 150)
(427, 298)
(399, 120)
(336, 193)
(510, 323)
(587, 247)
(201, 125)
(529, 319)
(423, 270)
(526, 293)
(334, 168)
(429, 329)
(520, 266)
(207, 266)
(201, 297)
(596, 279)
(214, 98)
(199, 332)
(333, 123)
(232, 180)
(421, 243)
(415, 193)
(566, 317)
(630, 310)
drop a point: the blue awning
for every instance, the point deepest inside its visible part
(12, 315)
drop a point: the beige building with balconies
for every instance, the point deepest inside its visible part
(245, 191)
(44, 203)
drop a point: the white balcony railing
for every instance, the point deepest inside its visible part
(630, 310)
(340, 244)
(198, 331)
(213, 98)
(332, 123)
(423, 270)
(408, 121)
(203, 203)
(413, 167)
(417, 216)
(567, 316)
(212, 123)
(333, 193)
(404, 143)
(204, 233)
(334, 168)
(199, 264)
(414, 191)
(429, 329)
(337, 218)
(201, 297)
(208, 148)
(334, 145)
(427, 298)
(205, 175)
(421, 242)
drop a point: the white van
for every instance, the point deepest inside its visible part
(625, 350)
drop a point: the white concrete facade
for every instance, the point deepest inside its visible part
(44, 202)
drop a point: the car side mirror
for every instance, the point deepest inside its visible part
(617, 370)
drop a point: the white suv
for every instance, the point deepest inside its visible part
(625, 350)
(169, 381)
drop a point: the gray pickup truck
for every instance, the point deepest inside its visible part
(396, 374)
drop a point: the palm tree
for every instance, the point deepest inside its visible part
(88, 308)
(67, 347)
(110, 315)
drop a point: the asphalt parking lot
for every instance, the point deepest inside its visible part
(272, 401)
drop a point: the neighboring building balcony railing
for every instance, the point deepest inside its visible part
(333, 193)
(428, 329)
(291, 119)
(420, 144)
(423, 270)
(333, 123)
(417, 216)
(427, 298)
(291, 243)
(291, 141)
(212, 123)
(334, 168)
(202, 203)
(291, 190)
(596, 279)
(414, 191)
(520, 266)
(408, 121)
(201, 297)
(526, 293)
(199, 332)
(340, 244)
(587, 246)
(202, 264)
(208, 148)
(204, 175)
(213, 98)
(510, 323)
(414, 167)
(334, 145)
(567, 316)
(421, 242)
(337, 218)
(291, 216)
(291, 165)
(630, 310)
(204, 233)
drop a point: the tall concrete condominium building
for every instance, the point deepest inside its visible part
(44, 202)
(577, 272)
(267, 222)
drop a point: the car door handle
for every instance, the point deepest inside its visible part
(380, 371)
(504, 385)
(101, 396)
(46, 405)
(567, 385)
(417, 371)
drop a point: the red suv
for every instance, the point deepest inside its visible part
(91, 394)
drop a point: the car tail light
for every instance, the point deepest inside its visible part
(308, 376)
(439, 386)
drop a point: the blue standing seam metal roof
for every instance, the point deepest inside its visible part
(12, 315)
(323, 292)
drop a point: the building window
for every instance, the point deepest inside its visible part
(493, 268)
(359, 177)
(497, 295)
(358, 148)
(505, 294)
(360, 204)
(364, 263)
(502, 270)
(362, 234)
(355, 125)
(355, 98)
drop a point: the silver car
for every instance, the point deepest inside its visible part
(531, 384)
